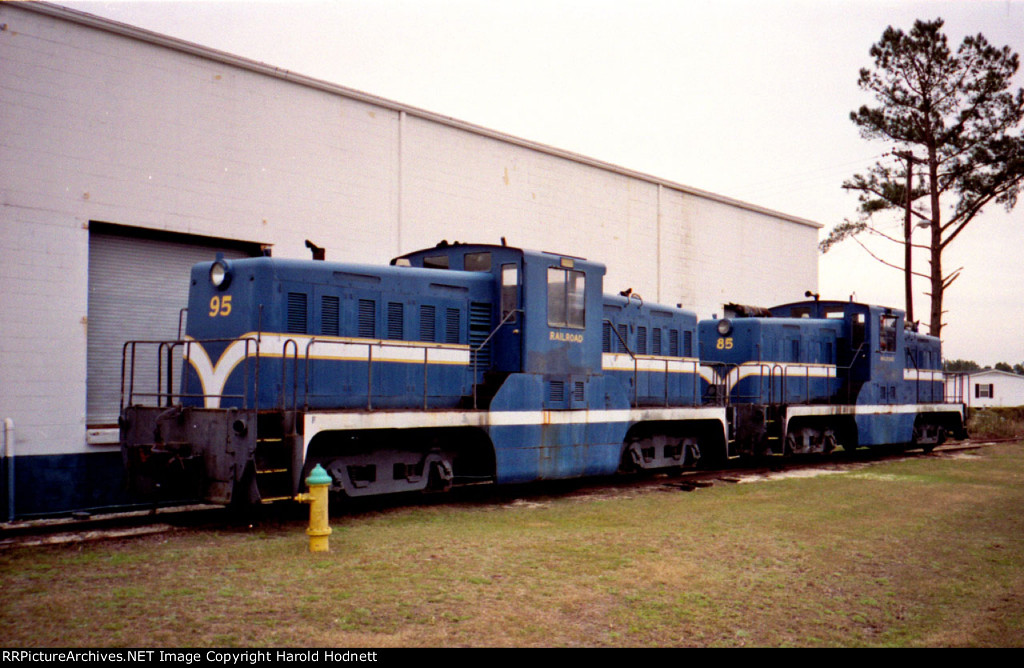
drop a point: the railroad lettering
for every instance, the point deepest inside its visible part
(566, 336)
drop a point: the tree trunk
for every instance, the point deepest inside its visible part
(935, 327)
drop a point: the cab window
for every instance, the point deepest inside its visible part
(509, 291)
(857, 328)
(887, 333)
(566, 298)
(478, 262)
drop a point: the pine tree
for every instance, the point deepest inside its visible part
(957, 112)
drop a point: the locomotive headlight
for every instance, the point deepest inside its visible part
(724, 326)
(219, 274)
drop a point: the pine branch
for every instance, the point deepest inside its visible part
(901, 242)
(886, 263)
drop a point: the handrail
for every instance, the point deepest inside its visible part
(721, 397)
(475, 352)
(931, 383)
(695, 365)
(776, 378)
(958, 394)
(181, 318)
(370, 345)
(625, 346)
(284, 373)
(849, 379)
(771, 383)
(917, 382)
(165, 393)
(256, 371)
(666, 383)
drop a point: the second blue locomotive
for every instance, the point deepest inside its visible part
(809, 376)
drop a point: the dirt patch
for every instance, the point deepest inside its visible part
(796, 473)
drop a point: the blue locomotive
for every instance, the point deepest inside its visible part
(464, 364)
(809, 376)
(457, 364)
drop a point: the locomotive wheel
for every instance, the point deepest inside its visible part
(940, 438)
(924, 440)
(245, 497)
(790, 446)
(660, 452)
(636, 459)
(441, 476)
(828, 442)
(808, 440)
(691, 453)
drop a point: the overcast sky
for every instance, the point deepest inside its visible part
(748, 99)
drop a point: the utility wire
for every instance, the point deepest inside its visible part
(823, 177)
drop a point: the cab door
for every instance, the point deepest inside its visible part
(508, 339)
(562, 333)
(887, 367)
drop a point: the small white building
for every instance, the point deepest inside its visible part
(990, 387)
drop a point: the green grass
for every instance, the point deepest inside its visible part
(927, 551)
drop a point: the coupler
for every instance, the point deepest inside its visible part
(319, 526)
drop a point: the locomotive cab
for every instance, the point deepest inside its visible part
(580, 403)
(496, 324)
(543, 330)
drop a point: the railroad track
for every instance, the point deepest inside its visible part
(85, 527)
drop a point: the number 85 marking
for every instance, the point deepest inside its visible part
(723, 344)
(220, 305)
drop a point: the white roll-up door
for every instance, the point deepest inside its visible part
(138, 284)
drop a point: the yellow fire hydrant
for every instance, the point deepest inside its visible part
(319, 527)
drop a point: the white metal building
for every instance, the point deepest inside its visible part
(982, 389)
(127, 156)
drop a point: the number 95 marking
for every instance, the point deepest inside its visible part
(220, 305)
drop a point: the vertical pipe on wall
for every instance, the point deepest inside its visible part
(657, 264)
(9, 458)
(399, 185)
